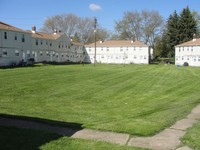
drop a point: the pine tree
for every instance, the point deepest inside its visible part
(187, 25)
(172, 35)
(76, 38)
(179, 29)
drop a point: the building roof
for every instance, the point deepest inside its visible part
(193, 42)
(77, 43)
(6, 26)
(118, 43)
(42, 35)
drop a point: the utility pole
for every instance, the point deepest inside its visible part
(95, 44)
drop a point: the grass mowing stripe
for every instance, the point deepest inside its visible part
(136, 99)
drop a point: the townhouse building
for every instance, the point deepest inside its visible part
(14, 44)
(17, 46)
(188, 52)
(118, 52)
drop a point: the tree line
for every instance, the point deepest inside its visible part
(146, 26)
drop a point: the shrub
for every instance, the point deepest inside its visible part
(185, 64)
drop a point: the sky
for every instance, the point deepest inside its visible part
(26, 13)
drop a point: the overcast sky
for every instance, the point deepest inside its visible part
(26, 13)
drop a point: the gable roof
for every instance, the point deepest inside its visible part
(42, 35)
(194, 42)
(6, 26)
(118, 43)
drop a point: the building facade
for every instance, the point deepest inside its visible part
(18, 46)
(118, 52)
(14, 43)
(188, 52)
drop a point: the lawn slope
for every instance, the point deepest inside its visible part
(135, 99)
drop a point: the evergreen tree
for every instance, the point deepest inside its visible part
(171, 36)
(173, 30)
(187, 24)
(76, 38)
(179, 29)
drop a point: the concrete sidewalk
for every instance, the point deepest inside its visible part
(169, 139)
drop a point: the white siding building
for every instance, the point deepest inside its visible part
(18, 45)
(118, 52)
(188, 52)
(14, 43)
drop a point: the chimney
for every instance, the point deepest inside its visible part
(55, 32)
(194, 37)
(100, 41)
(33, 29)
(133, 40)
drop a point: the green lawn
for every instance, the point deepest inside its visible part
(25, 139)
(135, 99)
(192, 137)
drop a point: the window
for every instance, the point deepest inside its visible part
(41, 53)
(28, 54)
(107, 49)
(192, 49)
(36, 41)
(179, 49)
(41, 42)
(121, 49)
(15, 36)
(16, 52)
(135, 57)
(33, 53)
(127, 48)
(50, 44)
(199, 58)
(5, 52)
(102, 49)
(145, 57)
(23, 38)
(46, 42)
(5, 35)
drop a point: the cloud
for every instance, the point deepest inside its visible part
(94, 7)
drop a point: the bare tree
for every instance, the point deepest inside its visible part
(71, 25)
(129, 26)
(85, 29)
(144, 26)
(66, 23)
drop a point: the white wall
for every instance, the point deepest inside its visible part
(13, 48)
(119, 55)
(189, 54)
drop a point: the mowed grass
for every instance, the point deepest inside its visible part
(192, 137)
(26, 139)
(135, 99)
